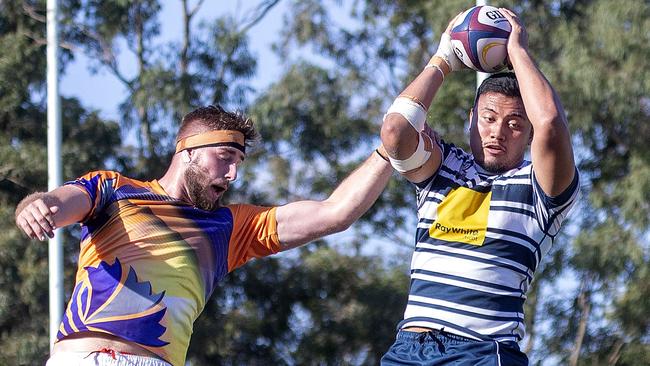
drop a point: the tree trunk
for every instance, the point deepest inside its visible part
(143, 115)
(184, 62)
(532, 301)
(616, 352)
(186, 39)
(584, 302)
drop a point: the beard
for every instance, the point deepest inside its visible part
(496, 167)
(500, 166)
(198, 186)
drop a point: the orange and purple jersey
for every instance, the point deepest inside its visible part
(149, 262)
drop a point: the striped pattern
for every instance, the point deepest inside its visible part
(478, 290)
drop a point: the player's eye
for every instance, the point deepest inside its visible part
(229, 158)
(226, 157)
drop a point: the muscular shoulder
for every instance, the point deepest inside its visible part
(247, 212)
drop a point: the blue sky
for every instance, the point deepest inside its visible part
(104, 92)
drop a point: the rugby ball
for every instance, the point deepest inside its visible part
(479, 37)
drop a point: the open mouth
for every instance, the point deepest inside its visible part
(218, 189)
(494, 149)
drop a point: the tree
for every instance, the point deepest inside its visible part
(315, 308)
(206, 66)
(87, 141)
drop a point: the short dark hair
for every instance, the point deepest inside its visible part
(503, 83)
(214, 117)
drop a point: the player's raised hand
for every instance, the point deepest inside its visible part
(446, 51)
(36, 219)
(518, 36)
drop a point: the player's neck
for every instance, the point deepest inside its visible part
(173, 180)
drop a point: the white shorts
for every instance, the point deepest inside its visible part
(102, 358)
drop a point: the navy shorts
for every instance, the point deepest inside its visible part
(436, 348)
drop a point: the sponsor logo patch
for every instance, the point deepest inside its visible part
(462, 217)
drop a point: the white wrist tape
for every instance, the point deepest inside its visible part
(446, 52)
(419, 157)
(412, 111)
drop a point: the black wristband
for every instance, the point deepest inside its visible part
(382, 156)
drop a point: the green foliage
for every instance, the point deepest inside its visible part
(318, 308)
(605, 83)
(606, 262)
(171, 77)
(310, 111)
(87, 142)
(23, 299)
(342, 297)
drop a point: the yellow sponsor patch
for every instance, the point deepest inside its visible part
(462, 217)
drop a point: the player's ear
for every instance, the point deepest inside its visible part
(470, 119)
(186, 156)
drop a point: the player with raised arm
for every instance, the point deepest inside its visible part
(152, 252)
(485, 218)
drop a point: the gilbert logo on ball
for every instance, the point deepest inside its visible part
(479, 38)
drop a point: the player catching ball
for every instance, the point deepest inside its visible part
(486, 217)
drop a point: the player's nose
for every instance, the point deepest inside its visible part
(231, 175)
(498, 130)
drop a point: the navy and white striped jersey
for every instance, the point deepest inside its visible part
(479, 240)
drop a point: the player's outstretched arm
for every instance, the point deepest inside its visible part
(412, 154)
(40, 213)
(303, 221)
(551, 150)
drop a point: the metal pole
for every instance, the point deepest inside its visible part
(55, 247)
(480, 76)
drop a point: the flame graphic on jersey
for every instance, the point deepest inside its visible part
(108, 300)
